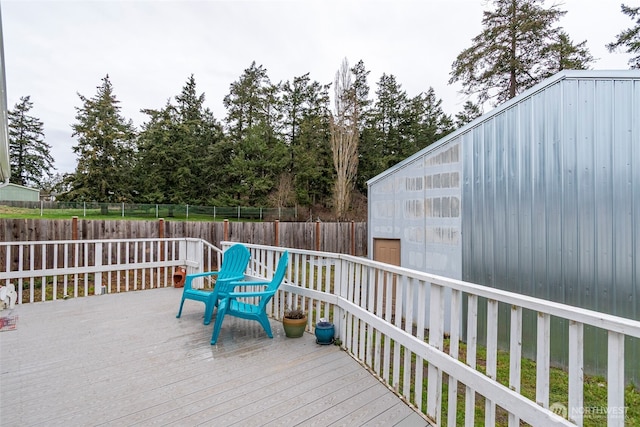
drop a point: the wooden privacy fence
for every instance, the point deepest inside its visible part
(343, 237)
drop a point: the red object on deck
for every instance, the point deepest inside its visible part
(179, 275)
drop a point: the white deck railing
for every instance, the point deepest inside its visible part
(381, 316)
(56, 269)
(383, 319)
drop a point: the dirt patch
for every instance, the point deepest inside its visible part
(357, 212)
(12, 210)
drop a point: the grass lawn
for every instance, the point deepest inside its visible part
(10, 212)
(595, 392)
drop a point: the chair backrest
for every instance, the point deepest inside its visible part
(277, 279)
(278, 276)
(234, 261)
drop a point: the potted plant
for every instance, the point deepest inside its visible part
(294, 322)
(324, 332)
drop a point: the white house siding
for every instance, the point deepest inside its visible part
(14, 192)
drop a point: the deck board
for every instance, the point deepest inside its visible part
(124, 359)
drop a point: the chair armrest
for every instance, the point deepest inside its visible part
(189, 278)
(227, 284)
(227, 287)
(249, 294)
(237, 278)
(237, 283)
(206, 273)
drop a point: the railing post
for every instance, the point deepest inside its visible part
(454, 349)
(194, 254)
(576, 372)
(97, 261)
(615, 379)
(161, 236)
(543, 360)
(492, 358)
(341, 289)
(182, 252)
(436, 334)
(515, 356)
(472, 343)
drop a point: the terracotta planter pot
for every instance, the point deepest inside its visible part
(179, 276)
(294, 328)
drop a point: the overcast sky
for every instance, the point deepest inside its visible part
(56, 49)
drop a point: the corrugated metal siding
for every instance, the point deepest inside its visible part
(421, 205)
(551, 203)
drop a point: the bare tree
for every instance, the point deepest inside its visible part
(344, 139)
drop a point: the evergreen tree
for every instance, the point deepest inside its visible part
(425, 123)
(470, 111)
(388, 117)
(304, 107)
(260, 159)
(398, 126)
(629, 38)
(105, 150)
(158, 168)
(257, 166)
(509, 55)
(562, 54)
(361, 88)
(175, 151)
(313, 170)
(30, 156)
(249, 102)
(293, 105)
(368, 150)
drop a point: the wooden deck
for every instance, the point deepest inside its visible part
(124, 359)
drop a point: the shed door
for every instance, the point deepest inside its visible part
(387, 251)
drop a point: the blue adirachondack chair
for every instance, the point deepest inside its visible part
(234, 263)
(257, 310)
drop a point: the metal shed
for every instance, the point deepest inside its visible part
(540, 196)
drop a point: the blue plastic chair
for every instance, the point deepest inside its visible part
(230, 305)
(234, 263)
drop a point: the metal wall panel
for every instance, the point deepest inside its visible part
(550, 202)
(421, 205)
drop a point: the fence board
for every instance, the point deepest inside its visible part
(334, 237)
